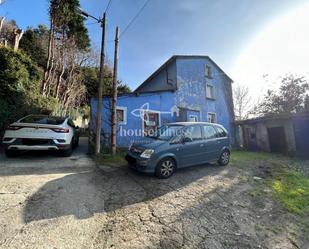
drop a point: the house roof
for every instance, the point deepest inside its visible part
(280, 116)
(174, 57)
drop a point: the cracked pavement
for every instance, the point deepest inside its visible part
(52, 202)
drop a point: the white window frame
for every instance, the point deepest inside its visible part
(213, 91)
(211, 113)
(124, 109)
(207, 70)
(143, 125)
(193, 116)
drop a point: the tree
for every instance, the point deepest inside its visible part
(35, 44)
(307, 103)
(68, 37)
(91, 79)
(242, 101)
(291, 97)
(7, 32)
(19, 87)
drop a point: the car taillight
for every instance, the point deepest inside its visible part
(13, 127)
(61, 130)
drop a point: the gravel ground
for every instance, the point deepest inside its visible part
(52, 202)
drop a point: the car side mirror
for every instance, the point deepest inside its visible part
(186, 140)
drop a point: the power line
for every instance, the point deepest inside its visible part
(108, 5)
(91, 23)
(133, 19)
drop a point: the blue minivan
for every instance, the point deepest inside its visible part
(179, 145)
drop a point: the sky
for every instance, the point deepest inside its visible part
(253, 41)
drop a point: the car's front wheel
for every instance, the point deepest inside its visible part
(11, 153)
(224, 158)
(165, 168)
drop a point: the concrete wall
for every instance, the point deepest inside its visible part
(261, 140)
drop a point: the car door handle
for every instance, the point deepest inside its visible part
(201, 145)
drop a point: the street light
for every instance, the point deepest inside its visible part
(101, 79)
(85, 14)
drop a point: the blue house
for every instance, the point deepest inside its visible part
(184, 88)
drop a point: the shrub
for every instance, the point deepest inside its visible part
(20, 87)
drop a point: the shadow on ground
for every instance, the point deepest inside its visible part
(46, 162)
(86, 193)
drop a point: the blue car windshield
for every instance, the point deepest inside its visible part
(167, 132)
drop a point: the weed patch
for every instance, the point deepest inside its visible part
(291, 188)
(111, 160)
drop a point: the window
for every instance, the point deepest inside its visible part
(221, 132)
(121, 115)
(193, 118)
(151, 122)
(209, 132)
(193, 132)
(210, 93)
(208, 72)
(42, 119)
(168, 132)
(211, 117)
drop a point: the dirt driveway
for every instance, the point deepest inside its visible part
(53, 202)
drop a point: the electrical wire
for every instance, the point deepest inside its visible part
(108, 5)
(91, 23)
(134, 18)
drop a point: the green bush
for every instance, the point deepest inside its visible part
(20, 82)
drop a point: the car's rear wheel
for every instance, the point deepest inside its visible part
(67, 152)
(224, 158)
(165, 168)
(11, 153)
(76, 142)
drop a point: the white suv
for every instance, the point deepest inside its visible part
(41, 132)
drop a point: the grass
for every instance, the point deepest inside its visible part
(111, 160)
(288, 184)
(244, 159)
(291, 188)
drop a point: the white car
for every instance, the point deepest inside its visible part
(41, 132)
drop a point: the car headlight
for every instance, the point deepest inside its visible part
(147, 153)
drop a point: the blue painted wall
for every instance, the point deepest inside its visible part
(162, 102)
(191, 93)
(190, 97)
(301, 132)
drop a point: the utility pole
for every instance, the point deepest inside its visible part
(114, 100)
(101, 80)
(100, 90)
